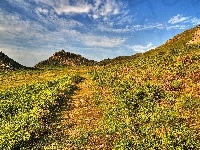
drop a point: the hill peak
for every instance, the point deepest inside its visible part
(63, 58)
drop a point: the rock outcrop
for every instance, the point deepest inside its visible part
(62, 58)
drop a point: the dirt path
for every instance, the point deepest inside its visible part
(84, 112)
(81, 118)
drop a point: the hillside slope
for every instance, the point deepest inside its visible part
(7, 63)
(147, 101)
(154, 99)
(118, 59)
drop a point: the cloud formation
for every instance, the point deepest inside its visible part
(102, 41)
(96, 9)
(87, 26)
(177, 19)
(141, 48)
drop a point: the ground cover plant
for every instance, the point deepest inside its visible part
(148, 101)
(151, 98)
(24, 110)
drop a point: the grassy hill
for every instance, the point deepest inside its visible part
(118, 59)
(155, 97)
(144, 101)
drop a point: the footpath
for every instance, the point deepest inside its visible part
(72, 127)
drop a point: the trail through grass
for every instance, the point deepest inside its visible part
(72, 126)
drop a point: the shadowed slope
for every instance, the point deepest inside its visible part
(7, 63)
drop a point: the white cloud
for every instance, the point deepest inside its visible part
(171, 24)
(177, 19)
(100, 8)
(105, 8)
(195, 21)
(180, 27)
(148, 26)
(101, 41)
(73, 9)
(42, 10)
(142, 48)
(14, 28)
(131, 28)
(20, 3)
(125, 18)
(105, 28)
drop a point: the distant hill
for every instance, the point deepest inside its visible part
(62, 58)
(7, 63)
(118, 59)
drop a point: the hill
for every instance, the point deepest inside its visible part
(7, 63)
(118, 59)
(145, 101)
(63, 58)
(152, 101)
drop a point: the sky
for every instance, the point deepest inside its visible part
(32, 30)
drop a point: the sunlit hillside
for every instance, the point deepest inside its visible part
(143, 101)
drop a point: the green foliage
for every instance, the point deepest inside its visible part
(176, 84)
(154, 97)
(77, 78)
(23, 110)
(81, 141)
(146, 101)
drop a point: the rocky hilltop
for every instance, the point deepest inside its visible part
(62, 58)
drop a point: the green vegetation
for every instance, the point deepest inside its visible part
(151, 98)
(24, 109)
(145, 101)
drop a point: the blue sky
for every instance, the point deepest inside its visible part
(32, 30)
